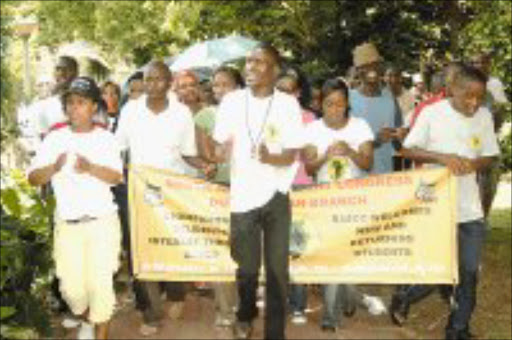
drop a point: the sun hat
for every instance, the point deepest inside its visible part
(365, 53)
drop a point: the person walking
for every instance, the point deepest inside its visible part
(458, 132)
(259, 130)
(82, 161)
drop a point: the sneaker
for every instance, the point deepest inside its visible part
(69, 322)
(452, 334)
(299, 318)
(398, 310)
(328, 328)
(242, 330)
(86, 331)
(223, 321)
(176, 310)
(147, 329)
(375, 305)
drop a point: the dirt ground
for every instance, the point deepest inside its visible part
(492, 318)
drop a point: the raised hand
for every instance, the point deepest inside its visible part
(59, 163)
(82, 164)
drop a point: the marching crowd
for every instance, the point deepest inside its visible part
(263, 133)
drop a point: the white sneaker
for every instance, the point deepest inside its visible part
(375, 305)
(299, 318)
(86, 331)
(69, 322)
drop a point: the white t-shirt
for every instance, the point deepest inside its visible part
(495, 86)
(80, 194)
(157, 140)
(355, 133)
(47, 113)
(442, 129)
(250, 121)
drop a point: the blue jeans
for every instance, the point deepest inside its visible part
(471, 237)
(298, 297)
(336, 297)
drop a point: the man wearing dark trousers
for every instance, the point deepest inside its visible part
(258, 130)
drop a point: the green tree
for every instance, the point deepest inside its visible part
(7, 103)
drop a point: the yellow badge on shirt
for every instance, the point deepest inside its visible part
(475, 142)
(337, 168)
(272, 134)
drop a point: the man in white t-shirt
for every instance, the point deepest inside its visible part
(458, 133)
(48, 112)
(159, 132)
(259, 128)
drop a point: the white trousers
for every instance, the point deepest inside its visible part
(86, 257)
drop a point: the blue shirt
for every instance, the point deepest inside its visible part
(379, 112)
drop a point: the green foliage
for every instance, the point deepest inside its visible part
(148, 29)
(490, 31)
(7, 106)
(26, 258)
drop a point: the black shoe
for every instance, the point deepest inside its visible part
(452, 334)
(328, 328)
(399, 310)
(242, 330)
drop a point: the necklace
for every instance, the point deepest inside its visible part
(255, 141)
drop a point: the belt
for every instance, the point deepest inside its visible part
(82, 219)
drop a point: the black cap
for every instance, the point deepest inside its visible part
(86, 87)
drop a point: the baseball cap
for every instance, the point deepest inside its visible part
(365, 54)
(85, 87)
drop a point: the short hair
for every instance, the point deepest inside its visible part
(231, 72)
(394, 69)
(186, 74)
(302, 82)
(68, 62)
(271, 50)
(114, 85)
(159, 64)
(469, 73)
(336, 84)
(139, 75)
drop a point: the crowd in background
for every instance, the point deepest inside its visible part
(359, 124)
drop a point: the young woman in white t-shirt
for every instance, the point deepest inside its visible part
(338, 147)
(82, 161)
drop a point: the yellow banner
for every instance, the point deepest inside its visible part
(389, 229)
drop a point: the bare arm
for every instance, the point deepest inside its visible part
(285, 158)
(208, 169)
(363, 157)
(311, 160)
(103, 173)
(458, 165)
(205, 145)
(43, 175)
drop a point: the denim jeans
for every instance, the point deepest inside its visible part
(298, 297)
(335, 296)
(273, 221)
(471, 237)
(153, 313)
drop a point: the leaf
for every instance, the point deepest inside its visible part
(6, 312)
(11, 201)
